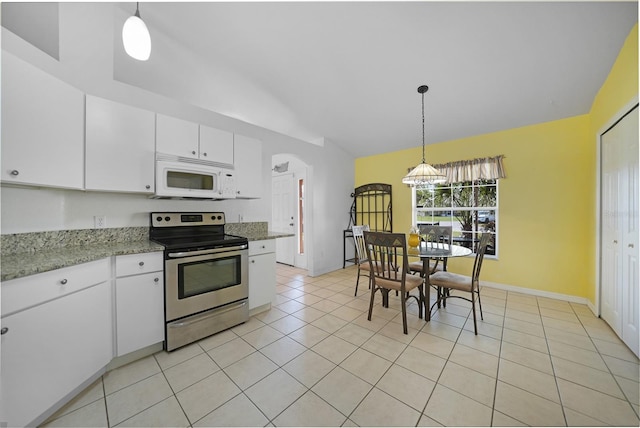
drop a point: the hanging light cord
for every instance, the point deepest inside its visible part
(138, 15)
(422, 89)
(423, 160)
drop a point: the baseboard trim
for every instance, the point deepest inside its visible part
(539, 293)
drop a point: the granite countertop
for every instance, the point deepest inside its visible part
(17, 265)
(31, 253)
(259, 236)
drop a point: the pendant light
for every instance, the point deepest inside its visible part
(423, 173)
(136, 38)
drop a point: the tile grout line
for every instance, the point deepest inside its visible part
(553, 368)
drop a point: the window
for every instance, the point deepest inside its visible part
(470, 207)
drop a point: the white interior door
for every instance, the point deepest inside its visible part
(611, 297)
(620, 228)
(283, 213)
(629, 225)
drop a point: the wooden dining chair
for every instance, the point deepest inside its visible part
(453, 281)
(361, 253)
(388, 264)
(433, 234)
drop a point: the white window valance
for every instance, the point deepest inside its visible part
(474, 169)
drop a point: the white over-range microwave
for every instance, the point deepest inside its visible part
(183, 179)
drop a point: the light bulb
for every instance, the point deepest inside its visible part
(136, 38)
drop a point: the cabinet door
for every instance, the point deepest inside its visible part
(216, 145)
(120, 147)
(176, 137)
(49, 350)
(262, 279)
(42, 127)
(139, 311)
(248, 166)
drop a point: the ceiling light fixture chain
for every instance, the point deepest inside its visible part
(422, 89)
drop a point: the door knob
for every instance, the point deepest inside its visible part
(290, 224)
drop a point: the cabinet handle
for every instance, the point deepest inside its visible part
(4, 330)
(156, 280)
(253, 261)
(63, 281)
(141, 263)
(147, 187)
(630, 245)
(204, 154)
(615, 242)
(193, 153)
(15, 172)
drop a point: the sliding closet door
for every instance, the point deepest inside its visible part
(620, 227)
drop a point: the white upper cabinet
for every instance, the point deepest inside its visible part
(176, 137)
(120, 147)
(248, 167)
(216, 145)
(42, 127)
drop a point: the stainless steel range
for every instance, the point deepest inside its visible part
(206, 275)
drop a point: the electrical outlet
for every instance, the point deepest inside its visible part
(99, 221)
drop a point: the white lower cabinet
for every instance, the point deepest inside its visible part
(139, 301)
(50, 349)
(262, 274)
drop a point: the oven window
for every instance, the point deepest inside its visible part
(187, 180)
(208, 275)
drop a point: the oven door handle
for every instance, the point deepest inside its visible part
(208, 251)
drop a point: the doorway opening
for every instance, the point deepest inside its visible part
(289, 210)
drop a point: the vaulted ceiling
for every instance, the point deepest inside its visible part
(349, 71)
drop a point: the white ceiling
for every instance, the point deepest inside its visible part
(349, 71)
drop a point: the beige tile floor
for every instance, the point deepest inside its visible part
(315, 360)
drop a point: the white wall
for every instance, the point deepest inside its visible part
(86, 61)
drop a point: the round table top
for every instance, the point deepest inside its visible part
(429, 249)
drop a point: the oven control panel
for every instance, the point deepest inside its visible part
(174, 219)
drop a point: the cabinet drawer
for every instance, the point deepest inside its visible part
(21, 293)
(134, 264)
(262, 247)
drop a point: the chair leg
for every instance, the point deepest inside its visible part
(373, 292)
(357, 281)
(403, 302)
(480, 305)
(473, 308)
(385, 297)
(420, 302)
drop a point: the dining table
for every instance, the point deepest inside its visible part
(434, 250)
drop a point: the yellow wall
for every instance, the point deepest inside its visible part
(547, 202)
(543, 200)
